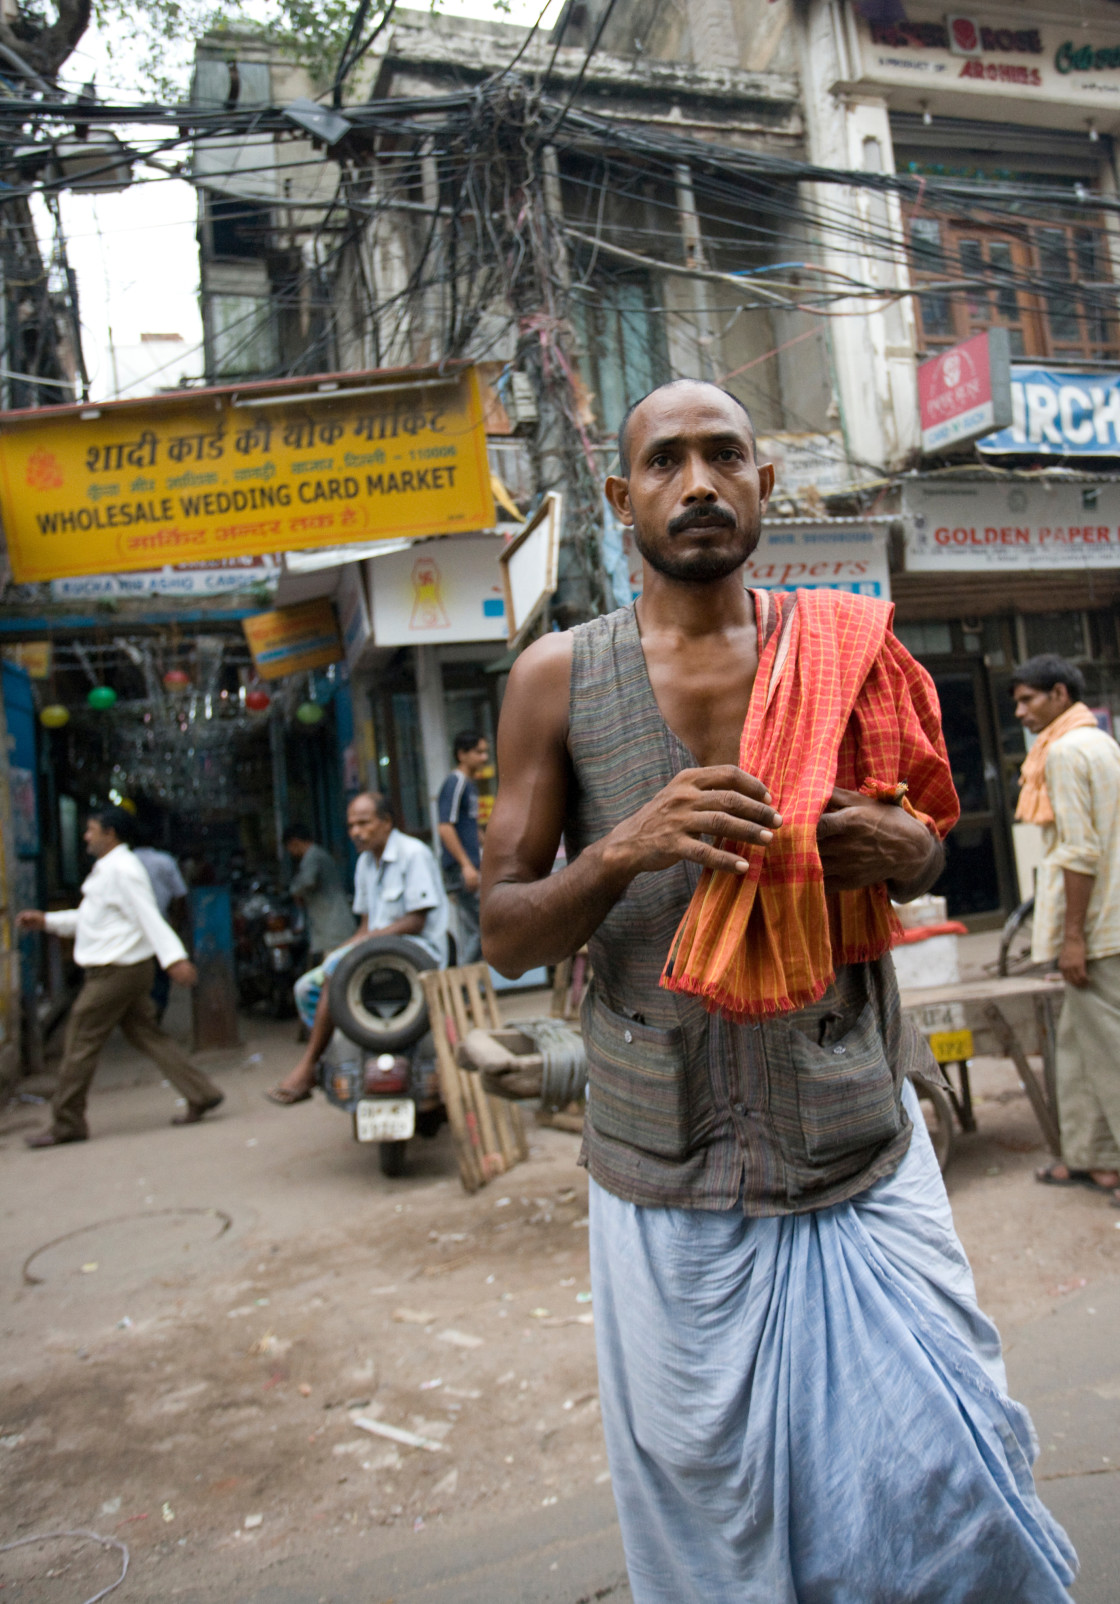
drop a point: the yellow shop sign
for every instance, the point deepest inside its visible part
(240, 472)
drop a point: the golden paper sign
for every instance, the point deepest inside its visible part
(233, 473)
(292, 640)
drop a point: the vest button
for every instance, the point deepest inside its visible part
(628, 1035)
(839, 1050)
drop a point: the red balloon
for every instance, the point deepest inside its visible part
(176, 679)
(257, 701)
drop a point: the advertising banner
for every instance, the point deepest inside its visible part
(965, 391)
(442, 591)
(961, 526)
(292, 640)
(223, 473)
(994, 53)
(1059, 414)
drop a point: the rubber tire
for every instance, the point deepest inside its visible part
(345, 994)
(943, 1133)
(391, 1157)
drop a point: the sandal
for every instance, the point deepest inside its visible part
(1046, 1177)
(286, 1097)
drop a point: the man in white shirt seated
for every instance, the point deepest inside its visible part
(398, 891)
(118, 934)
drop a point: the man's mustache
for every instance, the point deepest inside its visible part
(712, 513)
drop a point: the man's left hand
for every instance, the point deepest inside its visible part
(1072, 962)
(863, 842)
(183, 973)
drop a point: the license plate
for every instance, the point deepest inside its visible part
(278, 938)
(951, 1046)
(931, 1017)
(385, 1119)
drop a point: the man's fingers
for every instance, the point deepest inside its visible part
(727, 777)
(725, 824)
(834, 824)
(709, 857)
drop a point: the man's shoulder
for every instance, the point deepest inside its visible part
(411, 847)
(1089, 744)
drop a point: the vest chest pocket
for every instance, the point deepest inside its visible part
(846, 1093)
(637, 1088)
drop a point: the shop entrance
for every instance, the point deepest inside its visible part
(979, 881)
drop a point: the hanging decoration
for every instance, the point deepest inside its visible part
(257, 700)
(309, 713)
(102, 697)
(176, 679)
(54, 716)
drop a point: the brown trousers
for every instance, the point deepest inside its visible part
(117, 994)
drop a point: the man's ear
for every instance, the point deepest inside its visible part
(617, 492)
(765, 484)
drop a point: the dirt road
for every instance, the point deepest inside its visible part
(196, 1322)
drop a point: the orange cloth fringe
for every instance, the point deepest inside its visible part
(850, 704)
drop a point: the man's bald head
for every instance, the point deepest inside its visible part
(672, 384)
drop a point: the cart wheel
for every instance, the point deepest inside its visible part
(938, 1111)
(391, 1158)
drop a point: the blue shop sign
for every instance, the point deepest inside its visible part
(1059, 414)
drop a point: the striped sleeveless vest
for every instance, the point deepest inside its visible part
(685, 1109)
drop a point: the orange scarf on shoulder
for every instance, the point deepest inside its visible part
(1033, 806)
(837, 701)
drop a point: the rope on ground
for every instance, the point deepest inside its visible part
(92, 1537)
(563, 1061)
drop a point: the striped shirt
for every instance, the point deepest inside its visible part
(1083, 782)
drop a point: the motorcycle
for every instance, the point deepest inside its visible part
(270, 944)
(380, 1064)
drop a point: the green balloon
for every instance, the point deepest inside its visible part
(309, 712)
(102, 697)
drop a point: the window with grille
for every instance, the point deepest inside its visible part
(621, 341)
(1049, 285)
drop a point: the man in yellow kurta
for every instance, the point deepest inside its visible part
(1071, 787)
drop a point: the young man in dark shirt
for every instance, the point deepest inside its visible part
(458, 831)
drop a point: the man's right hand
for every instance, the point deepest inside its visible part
(471, 877)
(722, 802)
(31, 919)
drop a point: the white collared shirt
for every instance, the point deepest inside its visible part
(118, 921)
(406, 880)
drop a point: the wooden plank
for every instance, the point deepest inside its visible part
(470, 1170)
(463, 994)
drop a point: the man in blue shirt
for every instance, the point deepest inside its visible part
(397, 892)
(458, 831)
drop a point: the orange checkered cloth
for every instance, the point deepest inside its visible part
(837, 701)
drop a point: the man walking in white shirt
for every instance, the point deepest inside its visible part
(118, 934)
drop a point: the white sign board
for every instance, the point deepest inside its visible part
(806, 556)
(962, 526)
(438, 592)
(223, 578)
(529, 567)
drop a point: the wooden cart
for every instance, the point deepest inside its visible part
(1011, 1018)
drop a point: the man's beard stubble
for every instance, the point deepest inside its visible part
(698, 567)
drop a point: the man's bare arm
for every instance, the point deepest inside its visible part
(531, 916)
(1073, 957)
